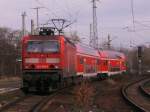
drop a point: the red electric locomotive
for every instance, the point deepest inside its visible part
(47, 60)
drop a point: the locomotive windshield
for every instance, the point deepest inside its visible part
(43, 46)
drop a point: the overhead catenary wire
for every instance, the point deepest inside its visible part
(63, 11)
(53, 13)
(144, 25)
(37, 15)
(68, 12)
(43, 5)
(55, 16)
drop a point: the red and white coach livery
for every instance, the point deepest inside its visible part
(103, 66)
(87, 60)
(111, 63)
(116, 62)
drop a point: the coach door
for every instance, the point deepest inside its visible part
(84, 65)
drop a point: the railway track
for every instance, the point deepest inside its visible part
(143, 90)
(24, 104)
(30, 103)
(135, 94)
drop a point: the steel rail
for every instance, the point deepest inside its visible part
(37, 106)
(142, 89)
(129, 100)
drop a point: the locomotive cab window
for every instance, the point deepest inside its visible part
(43, 46)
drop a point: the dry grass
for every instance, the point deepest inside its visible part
(9, 79)
(83, 95)
(147, 84)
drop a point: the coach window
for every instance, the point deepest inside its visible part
(106, 62)
(98, 62)
(123, 63)
(81, 60)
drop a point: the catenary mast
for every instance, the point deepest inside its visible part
(94, 39)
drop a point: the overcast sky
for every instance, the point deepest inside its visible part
(114, 17)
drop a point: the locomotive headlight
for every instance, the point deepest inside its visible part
(56, 67)
(26, 67)
(53, 67)
(52, 60)
(31, 60)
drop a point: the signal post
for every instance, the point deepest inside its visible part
(140, 60)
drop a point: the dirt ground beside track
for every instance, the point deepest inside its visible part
(148, 90)
(107, 97)
(147, 87)
(12, 82)
(10, 96)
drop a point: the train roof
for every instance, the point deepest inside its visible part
(28, 37)
(103, 54)
(87, 50)
(111, 54)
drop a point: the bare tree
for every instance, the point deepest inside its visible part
(73, 37)
(8, 52)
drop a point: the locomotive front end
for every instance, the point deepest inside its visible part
(41, 62)
(42, 55)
